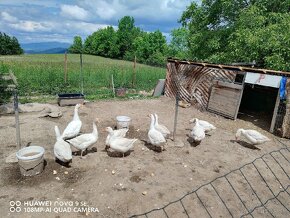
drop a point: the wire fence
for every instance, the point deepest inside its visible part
(259, 188)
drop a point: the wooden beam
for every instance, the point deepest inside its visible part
(275, 112)
(230, 67)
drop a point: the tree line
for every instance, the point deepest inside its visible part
(214, 31)
(9, 45)
(127, 42)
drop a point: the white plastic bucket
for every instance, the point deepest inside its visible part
(123, 122)
(30, 160)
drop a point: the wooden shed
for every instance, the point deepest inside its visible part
(232, 91)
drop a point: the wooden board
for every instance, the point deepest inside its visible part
(159, 89)
(275, 112)
(225, 99)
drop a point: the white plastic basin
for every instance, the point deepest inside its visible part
(123, 122)
(30, 153)
(31, 160)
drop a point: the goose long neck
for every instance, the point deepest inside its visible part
(57, 132)
(156, 119)
(152, 122)
(95, 130)
(76, 114)
(111, 131)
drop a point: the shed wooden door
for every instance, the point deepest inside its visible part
(225, 99)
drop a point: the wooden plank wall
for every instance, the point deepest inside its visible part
(193, 82)
(225, 99)
(286, 120)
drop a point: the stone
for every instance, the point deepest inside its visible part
(11, 158)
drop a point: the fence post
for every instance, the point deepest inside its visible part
(65, 67)
(82, 77)
(16, 111)
(113, 85)
(134, 73)
(176, 113)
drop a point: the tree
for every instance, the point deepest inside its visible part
(210, 25)
(178, 46)
(150, 48)
(239, 30)
(126, 43)
(9, 45)
(126, 34)
(261, 36)
(77, 46)
(102, 42)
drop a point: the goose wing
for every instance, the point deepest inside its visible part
(62, 150)
(156, 137)
(256, 135)
(197, 133)
(72, 129)
(120, 132)
(82, 140)
(122, 144)
(206, 125)
(163, 129)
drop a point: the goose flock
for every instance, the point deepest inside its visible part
(117, 141)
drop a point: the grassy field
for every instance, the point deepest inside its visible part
(43, 74)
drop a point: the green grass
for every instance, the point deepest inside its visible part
(43, 74)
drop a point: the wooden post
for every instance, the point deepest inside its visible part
(275, 112)
(241, 96)
(113, 85)
(15, 94)
(82, 77)
(176, 113)
(13, 88)
(134, 73)
(177, 81)
(65, 67)
(286, 120)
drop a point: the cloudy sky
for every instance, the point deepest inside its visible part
(61, 20)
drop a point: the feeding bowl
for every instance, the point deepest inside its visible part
(30, 160)
(70, 99)
(123, 122)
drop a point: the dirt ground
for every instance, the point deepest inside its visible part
(142, 180)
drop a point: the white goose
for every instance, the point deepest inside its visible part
(253, 136)
(161, 128)
(74, 127)
(197, 133)
(155, 137)
(62, 150)
(206, 125)
(117, 133)
(84, 141)
(120, 144)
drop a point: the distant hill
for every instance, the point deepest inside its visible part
(48, 51)
(45, 48)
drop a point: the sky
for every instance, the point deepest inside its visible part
(61, 20)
